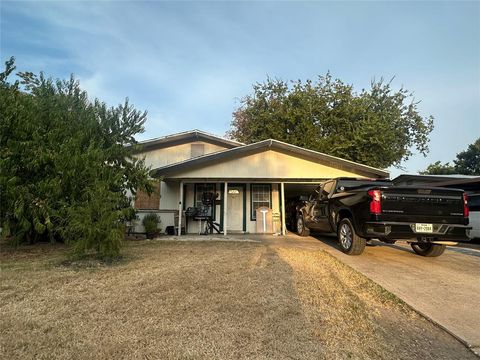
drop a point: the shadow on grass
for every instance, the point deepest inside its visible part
(93, 261)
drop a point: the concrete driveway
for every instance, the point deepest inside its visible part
(445, 289)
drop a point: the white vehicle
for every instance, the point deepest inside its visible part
(474, 218)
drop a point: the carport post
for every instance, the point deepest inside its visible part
(180, 209)
(225, 193)
(282, 189)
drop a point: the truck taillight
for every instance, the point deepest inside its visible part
(466, 211)
(375, 204)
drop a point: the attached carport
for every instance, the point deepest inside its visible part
(293, 193)
(295, 189)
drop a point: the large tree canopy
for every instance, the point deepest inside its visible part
(66, 163)
(466, 163)
(377, 127)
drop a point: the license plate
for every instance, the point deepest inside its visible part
(423, 228)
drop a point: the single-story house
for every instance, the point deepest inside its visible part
(245, 177)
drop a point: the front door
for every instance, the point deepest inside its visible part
(235, 210)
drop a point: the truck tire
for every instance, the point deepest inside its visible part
(350, 242)
(302, 230)
(428, 249)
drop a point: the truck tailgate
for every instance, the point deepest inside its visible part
(423, 204)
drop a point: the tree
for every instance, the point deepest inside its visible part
(66, 163)
(466, 163)
(437, 168)
(377, 127)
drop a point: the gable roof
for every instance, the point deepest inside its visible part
(269, 144)
(186, 137)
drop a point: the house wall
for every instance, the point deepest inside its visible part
(173, 154)
(267, 164)
(166, 219)
(169, 193)
(146, 201)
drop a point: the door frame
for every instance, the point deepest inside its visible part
(323, 204)
(244, 189)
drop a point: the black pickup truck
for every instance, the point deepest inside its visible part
(358, 210)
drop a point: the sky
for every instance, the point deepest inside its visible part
(189, 63)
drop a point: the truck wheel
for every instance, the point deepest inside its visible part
(302, 230)
(349, 241)
(428, 249)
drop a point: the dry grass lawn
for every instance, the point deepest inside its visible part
(206, 300)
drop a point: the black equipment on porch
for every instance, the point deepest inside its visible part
(205, 213)
(191, 212)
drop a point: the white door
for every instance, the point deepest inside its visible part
(235, 208)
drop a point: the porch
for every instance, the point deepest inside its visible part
(236, 202)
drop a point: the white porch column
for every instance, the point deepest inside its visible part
(225, 193)
(180, 209)
(284, 227)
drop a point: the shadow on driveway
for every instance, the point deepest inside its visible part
(331, 241)
(465, 248)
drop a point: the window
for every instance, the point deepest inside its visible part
(197, 150)
(199, 190)
(315, 194)
(143, 201)
(327, 189)
(474, 203)
(261, 195)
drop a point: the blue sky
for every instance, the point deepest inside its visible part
(189, 63)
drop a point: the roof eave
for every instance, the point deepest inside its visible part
(184, 137)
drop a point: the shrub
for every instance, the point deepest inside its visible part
(150, 223)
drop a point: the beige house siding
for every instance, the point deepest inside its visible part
(268, 164)
(169, 196)
(173, 154)
(264, 165)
